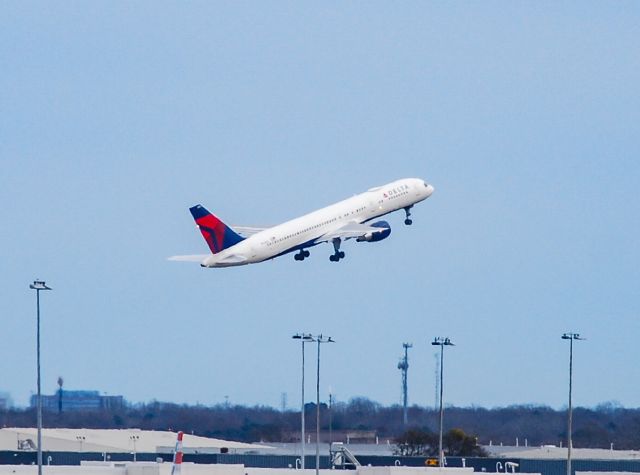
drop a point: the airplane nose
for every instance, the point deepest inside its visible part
(429, 190)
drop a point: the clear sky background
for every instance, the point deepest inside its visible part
(115, 117)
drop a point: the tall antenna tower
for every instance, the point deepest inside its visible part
(404, 367)
(60, 383)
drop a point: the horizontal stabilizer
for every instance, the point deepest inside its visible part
(233, 259)
(189, 258)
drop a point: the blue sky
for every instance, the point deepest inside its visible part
(115, 117)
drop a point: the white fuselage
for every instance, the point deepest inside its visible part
(308, 230)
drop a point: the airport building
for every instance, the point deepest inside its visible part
(124, 448)
(78, 401)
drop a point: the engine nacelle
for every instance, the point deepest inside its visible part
(375, 236)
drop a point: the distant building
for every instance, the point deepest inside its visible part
(347, 436)
(5, 401)
(78, 401)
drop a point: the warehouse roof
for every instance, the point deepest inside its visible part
(113, 440)
(554, 452)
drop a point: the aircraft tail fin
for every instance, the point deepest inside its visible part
(218, 235)
(177, 456)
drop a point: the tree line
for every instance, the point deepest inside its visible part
(527, 424)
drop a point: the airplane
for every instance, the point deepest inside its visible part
(348, 219)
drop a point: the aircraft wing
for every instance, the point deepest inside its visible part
(349, 231)
(247, 231)
(189, 258)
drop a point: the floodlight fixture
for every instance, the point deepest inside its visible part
(39, 285)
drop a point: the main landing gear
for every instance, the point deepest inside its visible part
(301, 255)
(408, 220)
(338, 254)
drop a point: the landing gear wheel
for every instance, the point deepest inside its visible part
(306, 253)
(298, 257)
(407, 211)
(301, 255)
(338, 254)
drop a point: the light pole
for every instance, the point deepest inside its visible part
(441, 342)
(39, 285)
(304, 338)
(319, 339)
(134, 438)
(81, 439)
(570, 336)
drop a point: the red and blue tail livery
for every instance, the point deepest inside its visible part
(218, 235)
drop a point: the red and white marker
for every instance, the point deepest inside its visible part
(177, 456)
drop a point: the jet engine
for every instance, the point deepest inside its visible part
(375, 236)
